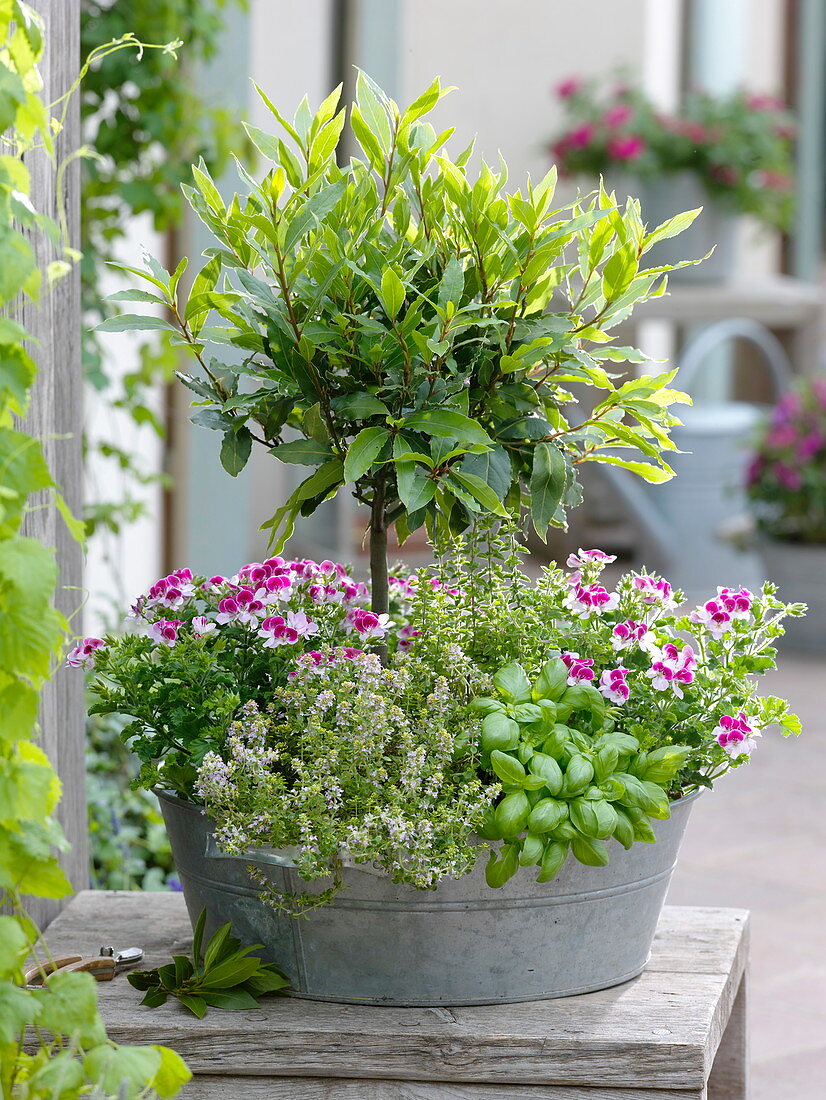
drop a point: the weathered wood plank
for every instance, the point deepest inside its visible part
(56, 417)
(693, 937)
(729, 1074)
(657, 1032)
(308, 1088)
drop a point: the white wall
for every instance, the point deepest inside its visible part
(506, 57)
(119, 566)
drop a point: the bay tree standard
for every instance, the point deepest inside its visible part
(408, 327)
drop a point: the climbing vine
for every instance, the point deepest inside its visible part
(71, 1054)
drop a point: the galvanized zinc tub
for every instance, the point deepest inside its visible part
(461, 944)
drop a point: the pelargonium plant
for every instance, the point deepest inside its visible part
(739, 145)
(786, 478)
(531, 719)
(203, 647)
(631, 702)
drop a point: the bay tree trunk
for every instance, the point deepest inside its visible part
(55, 419)
(379, 583)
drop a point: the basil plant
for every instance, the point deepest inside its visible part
(408, 327)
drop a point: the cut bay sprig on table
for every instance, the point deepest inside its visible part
(226, 975)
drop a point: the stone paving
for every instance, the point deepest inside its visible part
(758, 842)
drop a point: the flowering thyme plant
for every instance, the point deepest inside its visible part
(740, 146)
(787, 475)
(203, 647)
(356, 763)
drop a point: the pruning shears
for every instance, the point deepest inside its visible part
(102, 967)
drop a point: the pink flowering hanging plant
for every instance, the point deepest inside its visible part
(739, 146)
(786, 478)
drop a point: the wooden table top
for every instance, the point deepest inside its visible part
(657, 1032)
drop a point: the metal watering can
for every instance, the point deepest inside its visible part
(681, 522)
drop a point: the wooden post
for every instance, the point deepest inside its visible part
(56, 419)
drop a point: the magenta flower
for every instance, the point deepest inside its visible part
(654, 591)
(351, 591)
(738, 602)
(754, 470)
(201, 626)
(276, 632)
(403, 588)
(406, 636)
(366, 623)
(714, 616)
(83, 654)
(306, 568)
(782, 435)
(725, 174)
(758, 101)
(613, 686)
(672, 668)
(617, 116)
(586, 557)
(580, 137)
(332, 569)
(787, 477)
(735, 735)
(568, 87)
(165, 631)
(810, 445)
(627, 634)
(228, 610)
(586, 600)
(579, 668)
(625, 148)
(277, 587)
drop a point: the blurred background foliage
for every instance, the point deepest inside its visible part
(147, 123)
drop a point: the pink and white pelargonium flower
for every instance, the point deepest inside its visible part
(172, 591)
(630, 633)
(713, 615)
(585, 600)
(366, 623)
(403, 587)
(736, 735)
(201, 626)
(612, 684)
(242, 607)
(654, 591)
(83, 654)
(672, 668)
(165, 631)
(589, 557)
(277, 630)
(737, 601)
(276, 587)
(580, 670)
(405, 637)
